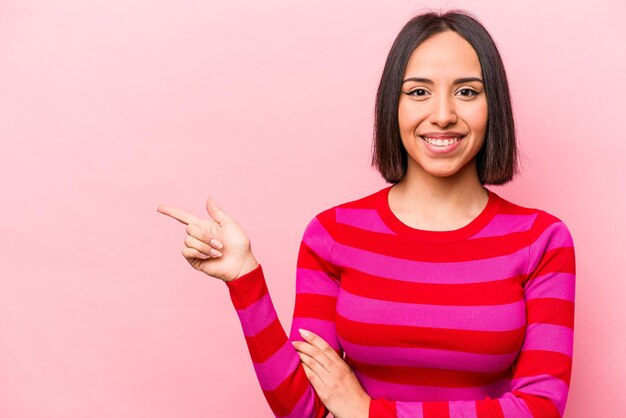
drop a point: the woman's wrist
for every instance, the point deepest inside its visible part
(249, 264)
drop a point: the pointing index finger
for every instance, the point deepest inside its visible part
(178, 214)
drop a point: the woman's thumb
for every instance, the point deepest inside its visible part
(216, 213)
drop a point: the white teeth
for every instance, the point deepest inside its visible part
(441, 142)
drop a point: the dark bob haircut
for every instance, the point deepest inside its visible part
(497, 160)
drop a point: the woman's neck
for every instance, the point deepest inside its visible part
(438, 203)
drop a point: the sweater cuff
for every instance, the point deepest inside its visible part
(247, 289)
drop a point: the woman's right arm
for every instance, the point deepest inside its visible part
(276, 362)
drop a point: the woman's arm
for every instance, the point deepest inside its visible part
(220, 248)
(541, 378)
(276, 362)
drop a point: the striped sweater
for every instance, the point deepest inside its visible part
(473, 322)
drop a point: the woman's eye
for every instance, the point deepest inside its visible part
(469, 92)
(417, 92)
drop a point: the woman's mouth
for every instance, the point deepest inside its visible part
(442, 145)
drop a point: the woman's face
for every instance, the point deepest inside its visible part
(443, 97)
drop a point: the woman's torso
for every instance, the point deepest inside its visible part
(431, 315)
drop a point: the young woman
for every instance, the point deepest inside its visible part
(432, 297)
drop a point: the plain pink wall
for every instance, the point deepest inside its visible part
(109, 107)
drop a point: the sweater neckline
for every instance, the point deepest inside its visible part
(399, 227)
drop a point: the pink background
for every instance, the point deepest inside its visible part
(109, 107)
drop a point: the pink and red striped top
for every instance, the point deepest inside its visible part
(474, 322)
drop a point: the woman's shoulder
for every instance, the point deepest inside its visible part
(539, 219)
(364, 205)
(366, 201)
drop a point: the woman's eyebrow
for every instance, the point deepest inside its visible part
(457, 81)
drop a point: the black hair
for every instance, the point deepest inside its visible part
(497, 160)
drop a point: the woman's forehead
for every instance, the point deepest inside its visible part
(445, 54)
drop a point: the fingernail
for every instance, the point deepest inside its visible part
(217, 243)
(304, 332)
(214, 252)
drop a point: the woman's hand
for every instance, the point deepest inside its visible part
(332, 378)
(217, 246)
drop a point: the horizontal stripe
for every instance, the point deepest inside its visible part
(419, 376)
(549, 337)
(308, 404)
(485, 342)
(476, 271)
(324, 329)
(247, 289)
(267, 342)
(480, 318)
(301, 409)
(513, 407)
(547, 401)
(262, 311)
(367, 219)
(489, 408)
(315, 281)
(436, 409)
(401, 247)
(383, 408)
(495, 292)
(409, 409)
(557, 260)
(551, 311)
(542, 385)
(284, 398)
(552, 285)
(543, 222)
(308, 259)
(455, 409)
(433, 358)
(462, 409)
(412, 393)
(539, 362)
(315, 306)
(504, 224)
(318, 239)
(273, 371)
(555, 235)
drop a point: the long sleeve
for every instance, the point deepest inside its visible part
(276, 362)
(541, 374)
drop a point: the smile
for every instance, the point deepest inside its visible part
(442, 146)
(439, 142)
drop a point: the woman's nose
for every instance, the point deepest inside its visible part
(443, 112)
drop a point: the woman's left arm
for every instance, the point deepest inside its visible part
(541, 377)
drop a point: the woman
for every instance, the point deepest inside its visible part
(445, 298)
